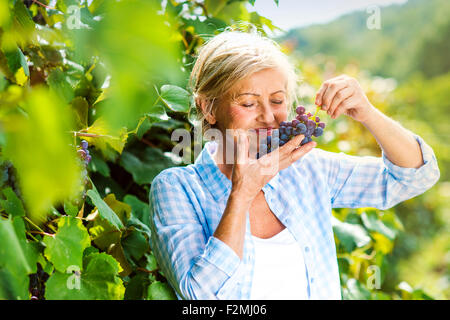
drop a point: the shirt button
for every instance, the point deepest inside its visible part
(306, 249)
(312, 280)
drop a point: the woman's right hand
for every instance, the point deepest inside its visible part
(249, 176)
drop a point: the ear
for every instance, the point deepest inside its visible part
(202, 103)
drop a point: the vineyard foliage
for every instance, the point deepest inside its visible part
(114, 73)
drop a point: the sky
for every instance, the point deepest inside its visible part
(299, 13)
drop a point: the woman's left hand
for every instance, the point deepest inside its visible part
(344, 95)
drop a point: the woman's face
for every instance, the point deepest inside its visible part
(259, 102)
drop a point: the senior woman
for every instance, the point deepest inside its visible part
(229, 230)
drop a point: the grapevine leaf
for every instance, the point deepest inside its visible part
(350, 235)
(70, 209)
(160, 291)
(66, 247)
(175, 98)
(12, 205)
(17, 259)
(373, 223)
(145, 166)
(97, 164)
(107, 139)
(356, 291)
(60, 86)
(104, 210)
(139, 209)
(49, 172)
(135, 245)
(98, 280)
(137, 287)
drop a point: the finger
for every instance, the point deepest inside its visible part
(340, 96)
(342, 107)
(331, 90)
(242, 148)
(320, 93)
(287, 148)
(300, 152)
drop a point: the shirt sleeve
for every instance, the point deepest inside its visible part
(357, 182)
(197, 267)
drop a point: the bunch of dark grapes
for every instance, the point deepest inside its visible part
(37, 283)
(307, 124)
(84, 152)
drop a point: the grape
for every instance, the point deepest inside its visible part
(300, 110)
(82, 153)
(318, 132)
(303, 118)
(301, 127)
(289, 131)
(84, 144)
(307, 124)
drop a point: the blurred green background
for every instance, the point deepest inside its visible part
(114, 73)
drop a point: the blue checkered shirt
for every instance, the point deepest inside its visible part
(187, 203)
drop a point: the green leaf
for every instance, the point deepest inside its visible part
(48, 172)
(350, 235)
(60, 86)
(139, 209)
(97, 164)
(65, 248)
(151, 262)
(12, 205)
(145, 166)
(160, 291)
(18, 259)
(109, 141)
(356, 291)
(137, 287)
(16, 60)
(99, 280)
(70, 209)
(135, 245)
(104, 210)
(175, 98)
(373, 223)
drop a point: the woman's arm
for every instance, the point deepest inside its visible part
(344, 95)
(397, 142)
(407, 168)
(231, 228)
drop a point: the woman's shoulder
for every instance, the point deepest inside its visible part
(178, 175)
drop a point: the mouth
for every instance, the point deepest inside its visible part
(261, 130)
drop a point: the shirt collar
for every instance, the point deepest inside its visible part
(217, 183)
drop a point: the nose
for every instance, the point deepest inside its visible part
(266, 114)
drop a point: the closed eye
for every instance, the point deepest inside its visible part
(248, 105)
(277, 102)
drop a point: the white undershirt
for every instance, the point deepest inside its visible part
(279, 271)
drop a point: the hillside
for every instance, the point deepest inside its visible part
(409, 34)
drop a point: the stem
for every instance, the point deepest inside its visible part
(29, 233)
(42, 232)
(148, 143)
(32, 223)
(146, 271)
(43, 5)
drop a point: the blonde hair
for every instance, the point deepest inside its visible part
(229, 57)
